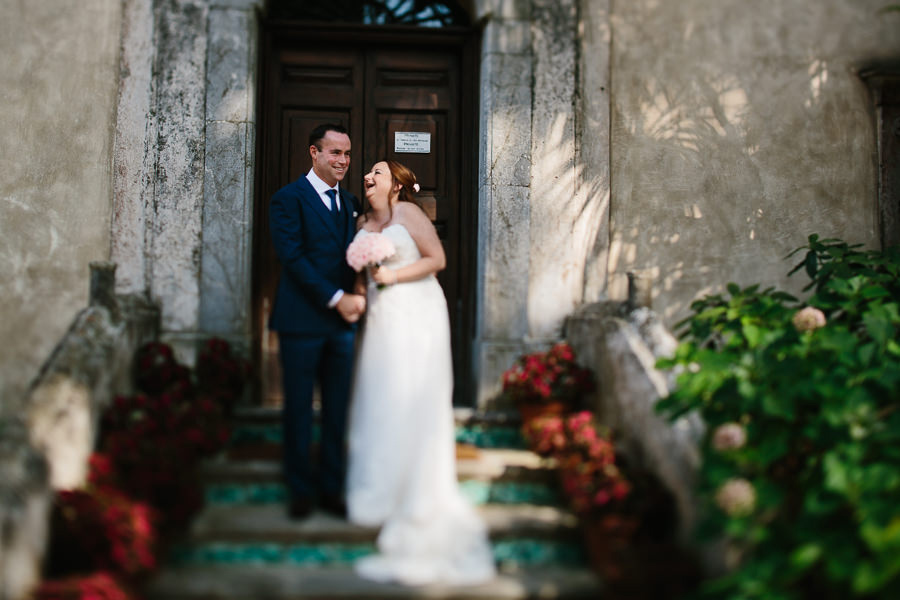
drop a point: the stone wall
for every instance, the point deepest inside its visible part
(57, 85)
(738, 129)
(693, 143)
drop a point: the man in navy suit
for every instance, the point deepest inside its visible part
(315, 314)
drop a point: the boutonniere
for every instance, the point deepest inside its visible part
(355, 214)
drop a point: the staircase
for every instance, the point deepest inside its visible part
(243, 546)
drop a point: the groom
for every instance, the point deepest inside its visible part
(312, 222)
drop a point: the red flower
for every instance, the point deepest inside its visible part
(542, 376)
(100, 585)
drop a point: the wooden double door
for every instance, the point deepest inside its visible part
(405, 94)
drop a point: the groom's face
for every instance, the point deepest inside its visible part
(331, 161)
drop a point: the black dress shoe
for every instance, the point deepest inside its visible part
(299, 508)
(334, 505)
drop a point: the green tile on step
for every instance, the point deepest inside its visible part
(253, 493)
(524, 552)
(490, 436)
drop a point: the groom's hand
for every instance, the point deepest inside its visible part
(351, 307)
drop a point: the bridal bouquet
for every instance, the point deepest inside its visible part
(369, 250)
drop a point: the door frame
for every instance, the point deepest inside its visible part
(464, 41)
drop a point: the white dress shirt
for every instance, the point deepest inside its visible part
(321, 187)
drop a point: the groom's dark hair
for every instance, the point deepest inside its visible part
(316, 135)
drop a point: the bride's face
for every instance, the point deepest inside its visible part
(379, 185)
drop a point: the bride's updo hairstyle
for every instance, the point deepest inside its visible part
(407, 179)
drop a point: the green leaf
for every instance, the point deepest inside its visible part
(865, 353)
(752, 333)
(811, 264)
(837, 477)
(806, 555)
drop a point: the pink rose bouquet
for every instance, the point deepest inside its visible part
(369, 250)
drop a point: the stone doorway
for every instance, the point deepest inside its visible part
(403, 94)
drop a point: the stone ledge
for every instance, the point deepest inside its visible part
(91, 363)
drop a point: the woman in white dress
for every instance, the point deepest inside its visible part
(402, 459)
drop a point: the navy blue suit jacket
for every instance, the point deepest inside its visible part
(311, 248)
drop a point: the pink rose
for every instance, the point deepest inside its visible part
(369, 250)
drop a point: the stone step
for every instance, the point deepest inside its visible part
(465, 416)
(486, 476)
(263, 534)
(288, 582)
(269, 522)
(262, 426)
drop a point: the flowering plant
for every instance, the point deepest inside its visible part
(156, 370)
(586, 458)
(220, 373)
(799, 470)
(369, 250)
(151, 439)
(546, 376)
(100, 585)
(101, 528)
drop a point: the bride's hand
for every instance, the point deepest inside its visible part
(384, 276)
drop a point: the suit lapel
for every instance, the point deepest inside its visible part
(346, 214)
(313, 201)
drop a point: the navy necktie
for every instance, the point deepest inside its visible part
(335, 211)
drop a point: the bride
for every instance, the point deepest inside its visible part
(402, 463)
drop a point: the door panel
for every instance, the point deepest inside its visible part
(377, 85)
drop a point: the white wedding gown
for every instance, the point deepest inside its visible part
(402, 458)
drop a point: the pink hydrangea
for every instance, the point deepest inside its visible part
(736, 497)
(729, 436)
(369, 250)
(808, 319)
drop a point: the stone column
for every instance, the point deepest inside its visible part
(134, 156)
(181, 228)
(175, 232)
(225, 282)
(592, 156)
(504, 192)
(557, 255)
(544, 179)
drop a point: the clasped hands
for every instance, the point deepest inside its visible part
(351, 307)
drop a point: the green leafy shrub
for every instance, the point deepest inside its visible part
(801, 469)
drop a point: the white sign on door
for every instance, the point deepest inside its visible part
(412, 142)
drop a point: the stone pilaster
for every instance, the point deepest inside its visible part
(557, 256)
(228, 176)
(504, 190)
(181, 228)
(134, 156)
(544, 179)
(176, 228)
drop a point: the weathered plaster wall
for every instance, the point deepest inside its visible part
(57, 108)
(739, 128)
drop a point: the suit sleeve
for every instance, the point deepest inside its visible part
(285, 225)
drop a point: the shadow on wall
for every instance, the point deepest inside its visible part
(731, 142)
